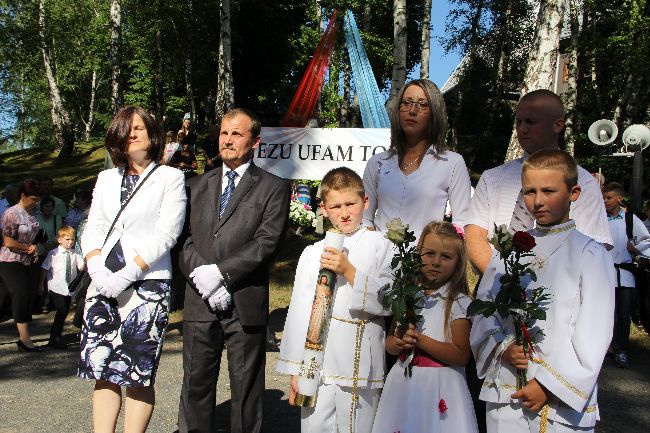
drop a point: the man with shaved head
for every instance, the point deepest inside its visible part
(498, 199)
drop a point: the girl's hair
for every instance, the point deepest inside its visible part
(458, 281)
(437, 118)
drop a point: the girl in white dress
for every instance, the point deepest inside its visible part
(435, 398)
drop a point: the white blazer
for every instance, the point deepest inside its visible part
(150, 223)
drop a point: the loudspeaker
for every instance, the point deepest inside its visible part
(602, 132)
(636, 137)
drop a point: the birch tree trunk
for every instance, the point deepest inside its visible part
(63, 128)
(117, 97)
(158, 80)
(399, 50)
(189, 31)
(426, 40)
(91, 107)
(570, 98)
(225, 91)
(542, 59)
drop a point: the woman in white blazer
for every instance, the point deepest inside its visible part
(127, 303)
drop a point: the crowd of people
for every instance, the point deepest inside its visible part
(152, 218)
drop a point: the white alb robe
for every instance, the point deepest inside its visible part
(356, 328)
(579, 274)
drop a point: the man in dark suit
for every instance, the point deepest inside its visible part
(238, 216)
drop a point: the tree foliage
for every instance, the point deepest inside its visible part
(612, 73)
(272, 43)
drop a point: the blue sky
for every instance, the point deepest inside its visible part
(440, 65)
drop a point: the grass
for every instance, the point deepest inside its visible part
(78, 172)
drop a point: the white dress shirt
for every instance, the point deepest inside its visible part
(55, 265)
(420, 197)
(497, 191)
(620, 254)
(240, 172)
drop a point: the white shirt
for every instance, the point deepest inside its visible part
(420, 197)
(433, 313)
(620, 254)
(498, 189)
(55, 265)
(240, 172)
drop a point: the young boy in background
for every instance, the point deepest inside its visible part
(60, 268)
(625, 247)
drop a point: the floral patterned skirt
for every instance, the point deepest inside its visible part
(121, 338)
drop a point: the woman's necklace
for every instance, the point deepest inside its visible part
(404, 167)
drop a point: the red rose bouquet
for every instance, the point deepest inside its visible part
(513, 301)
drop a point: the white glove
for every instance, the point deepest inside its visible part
(97, 271)
(220, 300)
(119, 281)
(206, 278)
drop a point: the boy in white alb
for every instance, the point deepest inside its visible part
(60, 267)
(353, 368)
(625, 248)
(561, 393)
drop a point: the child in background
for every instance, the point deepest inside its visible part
(171, 146)
(578, 273)
(625, 248)
(353, 367)
(435, 399)
(60, 267)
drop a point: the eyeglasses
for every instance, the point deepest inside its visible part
(420, 104)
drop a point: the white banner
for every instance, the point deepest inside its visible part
(309, 153)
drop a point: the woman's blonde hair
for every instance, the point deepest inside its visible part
(458, 282)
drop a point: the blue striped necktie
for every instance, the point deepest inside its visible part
(227, 193)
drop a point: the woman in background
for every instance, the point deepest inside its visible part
(19, 229)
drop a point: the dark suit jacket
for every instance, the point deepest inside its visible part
(242, 243)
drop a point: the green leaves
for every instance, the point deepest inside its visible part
(512, 300)
(478, 306)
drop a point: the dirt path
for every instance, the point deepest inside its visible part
(40, 393)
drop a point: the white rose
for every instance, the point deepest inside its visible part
(396, 230)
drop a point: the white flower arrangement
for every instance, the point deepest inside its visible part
(301, 215)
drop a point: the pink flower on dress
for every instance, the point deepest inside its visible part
(442, 406)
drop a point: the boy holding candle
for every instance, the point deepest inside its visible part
(352, 372)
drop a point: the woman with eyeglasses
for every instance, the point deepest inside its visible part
(417, 175)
